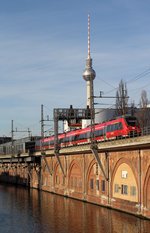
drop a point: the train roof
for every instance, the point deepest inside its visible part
(5, 139)
(21, 140)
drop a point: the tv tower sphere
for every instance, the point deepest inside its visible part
(89, 74)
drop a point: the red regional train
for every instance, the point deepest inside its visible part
(125, 126)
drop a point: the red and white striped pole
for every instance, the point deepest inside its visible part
(88, 34)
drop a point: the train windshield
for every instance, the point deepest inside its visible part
(38, 143)
(132, 121)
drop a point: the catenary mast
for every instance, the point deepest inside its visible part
(89, 74)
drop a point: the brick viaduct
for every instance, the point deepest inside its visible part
(126, 164)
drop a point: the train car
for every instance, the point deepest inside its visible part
(48, 143)
(125, 126)
(24, 145)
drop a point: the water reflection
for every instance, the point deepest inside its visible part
(25, 211)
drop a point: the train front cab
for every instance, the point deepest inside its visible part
(126, 126)
(133, 126)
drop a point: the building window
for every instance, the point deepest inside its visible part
(124, 174)
(63, 180)
(97, 185)
(133, 191)
(116, 188)
(91, 183)
(96, 168)
(103, 185)
(71, 182)
(56, 179)
(80, 183)
(75, 182)
(124, 189)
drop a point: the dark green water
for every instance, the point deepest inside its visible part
(27, 211)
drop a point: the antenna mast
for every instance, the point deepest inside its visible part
(88, 34)
(89, 74)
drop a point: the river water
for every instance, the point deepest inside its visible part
(30, 211)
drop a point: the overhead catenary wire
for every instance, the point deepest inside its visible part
(137, 77)
(146, 85)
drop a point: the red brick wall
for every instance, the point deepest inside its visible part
(84, 179)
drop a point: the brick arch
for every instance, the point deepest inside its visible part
(90, 168)
(75, 178)
(120, 162)
(146, 189)
(90, 175)
(55, 166)
(73, 162)
(58, 175)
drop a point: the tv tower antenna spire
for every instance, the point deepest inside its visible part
(88, 35)
(89, 74)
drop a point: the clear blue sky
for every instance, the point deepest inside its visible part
(43, 47)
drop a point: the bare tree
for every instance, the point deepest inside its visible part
(133, 109)
(122, 99)
(143, 110)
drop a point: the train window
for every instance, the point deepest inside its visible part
(51, 142)
(88, 134)
(83, 136)
(99, 132)
(60, 140)
(76, 137)
(38, 143)
(46, 143)
(63, 140)
(132, 121)
(120, 126)
(113, 127)
(108, 128)
(70, 139)
(66, 139)
(80, 136)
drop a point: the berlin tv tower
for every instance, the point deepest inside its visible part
(89, 74)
